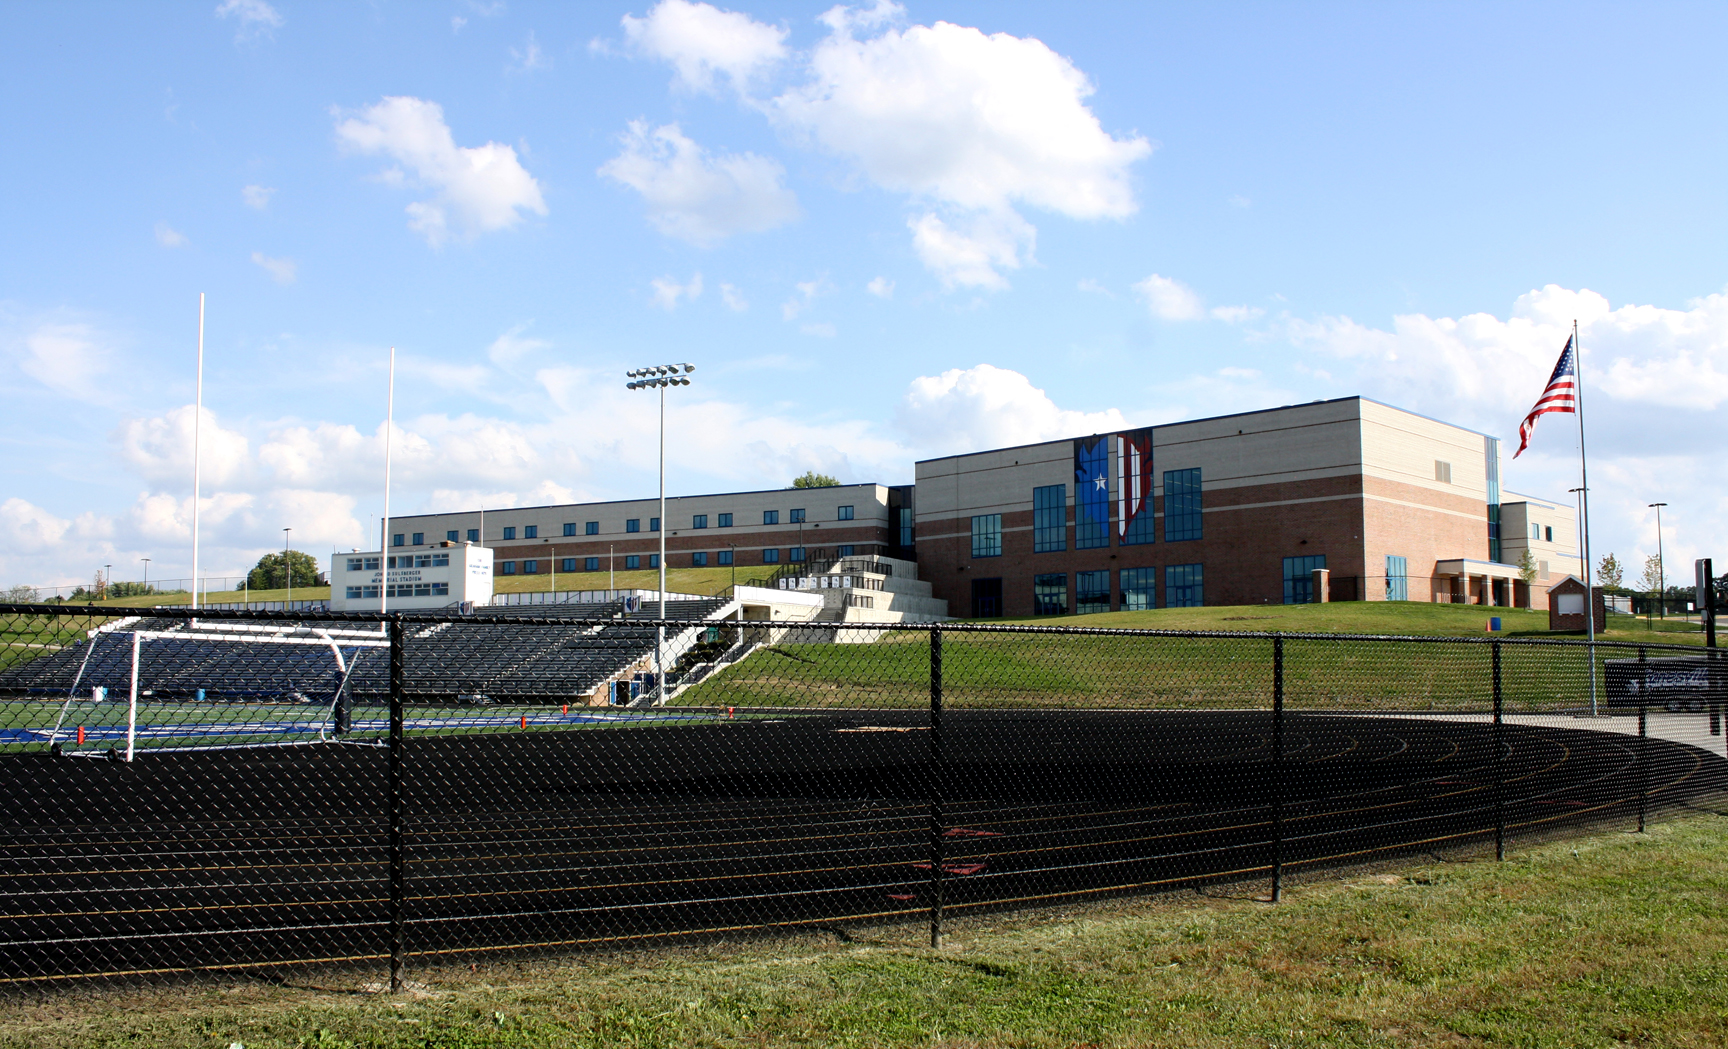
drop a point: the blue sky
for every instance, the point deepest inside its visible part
(881, 233)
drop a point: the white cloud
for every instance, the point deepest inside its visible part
(1239, 201)
(257, 196)
(1236, 314)
(972, 257)
(169, 237)
(807, 292)
(479, 188)
(820, 329)
(512, 346)
(1170, 299)
(160, 448)
(968, 409)
(696, 196)
(282, 271)
(456, 23)
(256, 17)
(1092, 287)
(70, 358)
(881, 287)
(733, 298)
(529, 58)
(704, 44)
(668, 291)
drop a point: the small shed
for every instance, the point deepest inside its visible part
(1566, 606)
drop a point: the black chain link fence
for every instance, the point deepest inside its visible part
(196, 792)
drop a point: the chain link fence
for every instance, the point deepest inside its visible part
(197, 792)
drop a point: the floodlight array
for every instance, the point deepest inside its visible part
(659, 375)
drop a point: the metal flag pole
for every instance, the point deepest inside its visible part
(1584, 501)
(384, 527)
(197, 449)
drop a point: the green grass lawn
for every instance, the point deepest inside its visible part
(1614, 940)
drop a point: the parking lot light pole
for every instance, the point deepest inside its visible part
(659, 377)
(287, 572)
(1661, 568)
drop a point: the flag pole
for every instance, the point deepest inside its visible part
(197, 448)
(1584, 501)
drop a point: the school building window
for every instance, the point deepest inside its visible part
(451, 535)
(1050, 594)
(1299, 578)
(1181, 505)
(1091, 592)
(1397, 578)
(795, 555)
(770, 517)
(419, 538)
(569, 565)
(531, 532)
(633, 525)
(653, 524)
(591, 564)
(845, 514)
(723, 557)
(770, 557)
(986, 598)
(699, 559)
(510, 533)
(473, 535)
(1139, 589)
(591, 527)
(699, 521)
(569, 527)
(987, 535)
(797, 516)
(632, 560)
(1049, 518)
(530, 567)
(653, 560)
(846, 549)
(1182, 586)
(509, 567)
(725, 521)
(398, 539)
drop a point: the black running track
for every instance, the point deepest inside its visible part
(245, 858)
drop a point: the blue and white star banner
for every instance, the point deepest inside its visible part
(1092, 485)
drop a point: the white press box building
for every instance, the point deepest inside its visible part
(434, 577)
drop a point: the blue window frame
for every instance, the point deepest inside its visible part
(591, 527)
(1049, 518)
(770, 517)
(1397, 578)
(1299, 578)
(569, 565)
(1140, 530)
(770, 557)
(1183, 586)
(795, 555)
(452, 535)
(419, 538)
(845, 550)
(591, 564)
(530, 567)
(699, 521)
(398, 539)
(1050, 594)
(723, 557)
(797, 516)
(473, 535)
(987, 535)
(1139, 589)
(1182, 505)
(510, 533)
(843, 514)
(653, 524)
(908, 526)
(509, 567)
(653, 560)
(569, 527)
(725, 521)
(634, 524)
(632, 560)
(531, 531)
(1091, 592)
(699, 559)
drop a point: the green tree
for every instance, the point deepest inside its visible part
(1651, 580)
(1527, 567)
(812, 479)
(268, 574)
(1609, 573)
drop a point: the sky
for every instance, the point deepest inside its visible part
(881, 232)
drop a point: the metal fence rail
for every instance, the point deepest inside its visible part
(239, 789)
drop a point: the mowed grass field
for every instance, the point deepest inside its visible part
(1608, 941)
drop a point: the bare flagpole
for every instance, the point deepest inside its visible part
(384, 529)
(1584, 501)
(197, 449)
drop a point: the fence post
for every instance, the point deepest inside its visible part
(935, 786)
(1643, 739)
(1277, 767)
(1499, 759)
(398, 873)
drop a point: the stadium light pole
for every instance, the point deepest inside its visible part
(659, 377)
(287, 572)
(146, 561)
(1661, 568)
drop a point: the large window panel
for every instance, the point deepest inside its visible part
(1299, 578)
(1139, 589)
(1182, 505)
(1183, 586)
(987, 535)
(1050, 518)
(1092, 592)
(1050, 594)
(1397, 578)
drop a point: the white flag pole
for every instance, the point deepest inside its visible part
(197, 449)
(1584, 501)
(384, 533)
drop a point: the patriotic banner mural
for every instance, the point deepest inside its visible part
(1134, 485)
(1091, 492)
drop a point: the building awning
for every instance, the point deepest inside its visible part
(1464, 566)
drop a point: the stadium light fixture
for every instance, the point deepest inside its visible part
(1661, 567)
(659, 377)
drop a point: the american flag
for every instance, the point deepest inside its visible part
(1560, 395)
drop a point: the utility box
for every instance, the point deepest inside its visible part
(1566, 606)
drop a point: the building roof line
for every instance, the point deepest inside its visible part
(642, 499)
